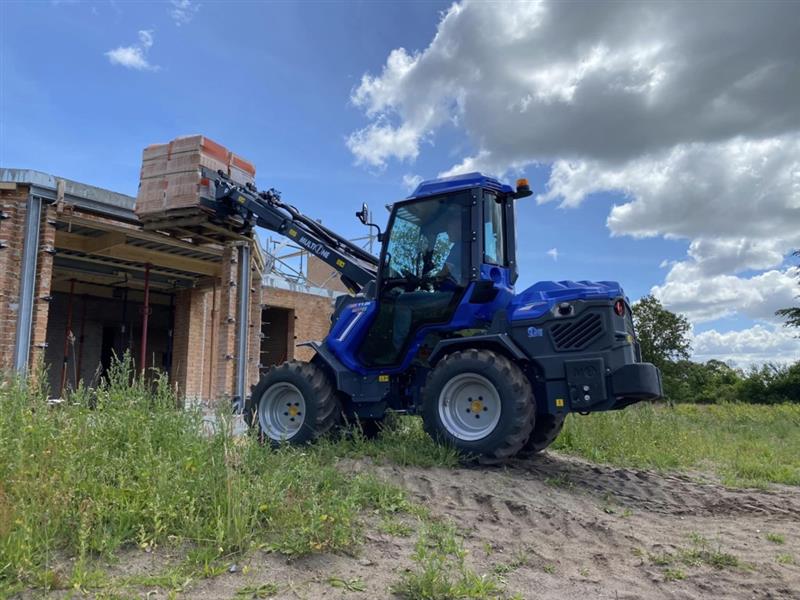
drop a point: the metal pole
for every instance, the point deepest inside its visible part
(30, 251)
(145, 316)
(67, 335)
(242, 324)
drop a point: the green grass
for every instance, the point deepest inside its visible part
(123, 467)
(700, 553)
(402, 441)
(255, 592)
(745, 445)
(785, 559)
(441, 572)
(80, 483)
(674, 575)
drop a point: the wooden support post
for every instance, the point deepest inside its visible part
(67, 335)
(145, 316)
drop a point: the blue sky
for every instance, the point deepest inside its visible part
(279, 83)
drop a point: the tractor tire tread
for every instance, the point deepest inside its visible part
(328, 409)
(523, 407)
(544, 433)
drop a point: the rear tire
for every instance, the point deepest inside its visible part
(544, 433)
(479, 402)
(295, 403)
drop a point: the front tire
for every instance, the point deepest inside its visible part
(479, 402)
(544, 433)
(295, 403)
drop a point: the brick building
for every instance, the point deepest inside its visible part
(77, 268)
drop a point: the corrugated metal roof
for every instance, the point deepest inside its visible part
(87, 197)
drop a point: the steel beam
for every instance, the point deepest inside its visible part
(242, 326)
(30, 252)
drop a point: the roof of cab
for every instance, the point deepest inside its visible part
(444, 185)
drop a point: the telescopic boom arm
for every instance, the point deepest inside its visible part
(357, 268)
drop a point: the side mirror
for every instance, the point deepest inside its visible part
(363, 214)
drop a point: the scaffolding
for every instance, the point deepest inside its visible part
(286, 266)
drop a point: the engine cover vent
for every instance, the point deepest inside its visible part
(577, 334)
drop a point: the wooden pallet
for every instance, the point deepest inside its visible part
(196, 224)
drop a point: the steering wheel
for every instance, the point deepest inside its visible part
(414, 282)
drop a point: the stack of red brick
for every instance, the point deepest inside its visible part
(172, 179)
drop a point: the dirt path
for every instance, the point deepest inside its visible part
(585, 532)
(554, 527)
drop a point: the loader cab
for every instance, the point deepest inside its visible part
(448, 258)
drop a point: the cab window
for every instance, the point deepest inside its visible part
(493, 238)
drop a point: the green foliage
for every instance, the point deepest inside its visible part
(664, 340)
(709, 383)
(408, 246)
(402, 441)
(700, 553)
(354, 584)
(745, 445)
(126, 467)
(441, 572)
(662, 335)
(715, 382)
(792, 314)
(770, 384)
(254, 592)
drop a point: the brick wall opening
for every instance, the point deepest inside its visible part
(277, 331)
(103, 327)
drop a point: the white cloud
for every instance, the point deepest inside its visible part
(374, 144)
(737, 201)
(690, 111)
(411, 181)
(607, 81)
(183, 11)
(135, 56)
(701, 298)
(553, 253)
(753, 346)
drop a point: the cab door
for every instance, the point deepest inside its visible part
(426, 266)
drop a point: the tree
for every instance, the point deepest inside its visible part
(662, 334)
(792, 315)
(712, 382)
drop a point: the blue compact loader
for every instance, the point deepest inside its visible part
(434, 327)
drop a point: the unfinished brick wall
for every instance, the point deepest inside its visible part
(321, 274)
(254, 327)
(205, 349)
(44, 278)
(12, 229)
(194, 356)
(312, 317)
(13, 203)
(225, 369)
(204, 343)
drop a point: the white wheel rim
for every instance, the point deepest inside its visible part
(469, 407)
(281, 411)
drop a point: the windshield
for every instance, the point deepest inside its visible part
(426, 239)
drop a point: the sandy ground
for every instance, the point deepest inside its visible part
(586, 531)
